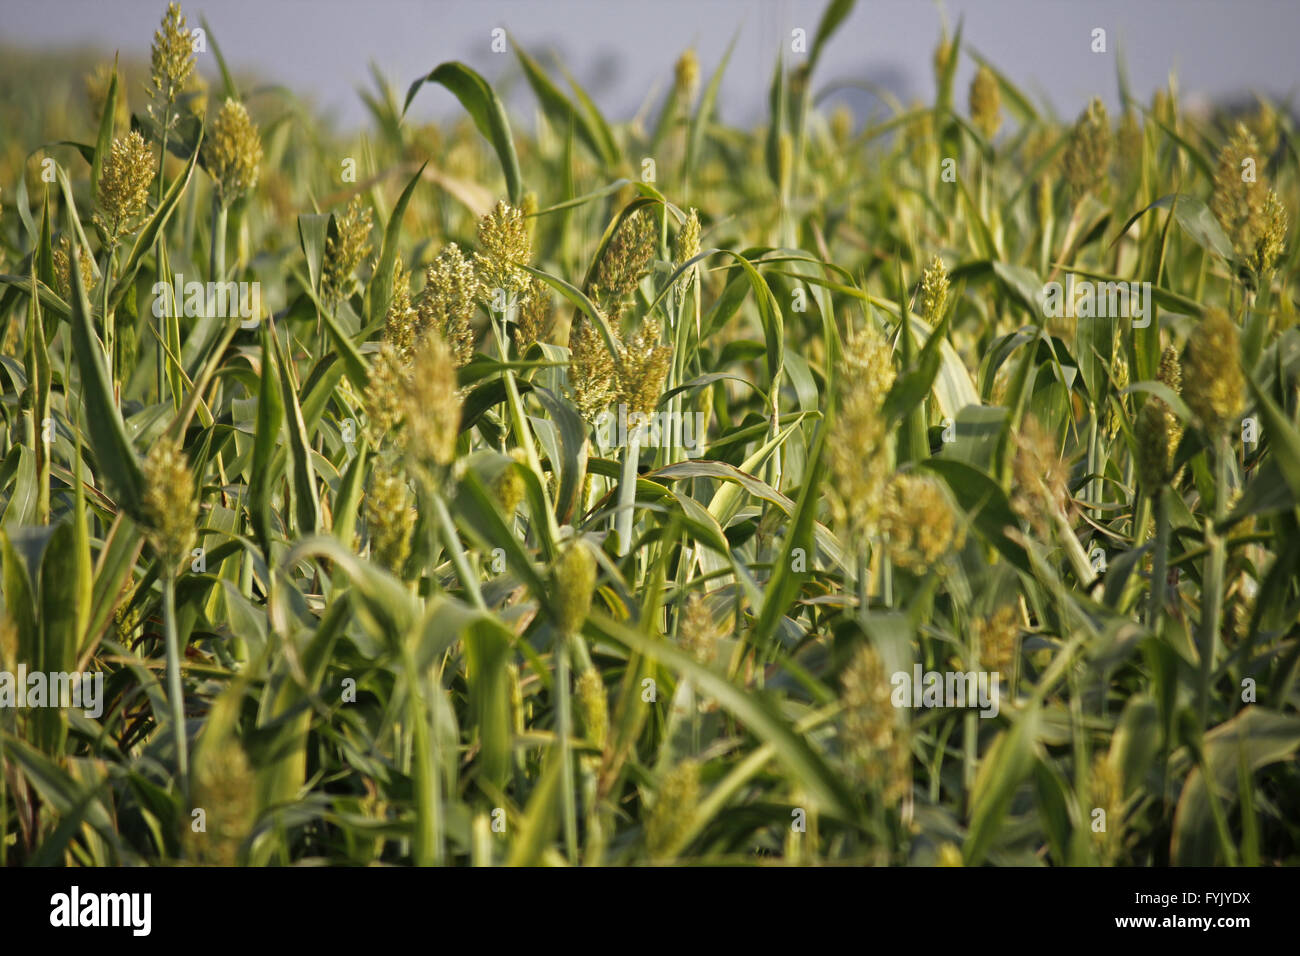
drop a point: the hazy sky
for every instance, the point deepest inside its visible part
(623, 50)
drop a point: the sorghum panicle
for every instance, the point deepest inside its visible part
(233, 153)
(124, 184)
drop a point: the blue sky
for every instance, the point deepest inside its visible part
(624, 50)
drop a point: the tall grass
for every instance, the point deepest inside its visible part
(435, 609)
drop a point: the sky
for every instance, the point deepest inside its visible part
(623, 51)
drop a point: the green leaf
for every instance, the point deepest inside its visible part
(756, 712)
(381, 286)
(104, 142)
(115, 459)
(1256, 736)
(487, 111)
(266, 440)
(302, 472)
(1008, 763)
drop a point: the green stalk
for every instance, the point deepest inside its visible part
(519, 424)
(110, 325)
(1159, 562)
(217, 258)
(1212, 581)
(427, 849)
(161, 360)
(174, 692)
(627, 492)
(451, 544)
(563, 729)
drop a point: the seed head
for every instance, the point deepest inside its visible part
(687, 75)
(995, 637)
(172, 58)
(63, 267)
(919, 523)
(986, 102)
(509, 486)
(688, 238)
(8, 642)
(124, 184)
(1107, 794)
(401, 319)
(574, 580)
(1087, 156)
(535, 316)
(858, 450)
(1171, 370)
(593, 707)
(868, 363)
(1039, 475)
(1264, 124)
(698, 634)
(875, 746)
(625, 260)
(448, 302)
(1252, 215)
(942, 54)
(674, 808)
(591, 369)
(1214, 378)
(950, 855)
(1271, 236)
(432, 406)
(1170, 373)
(503, 235)
(1119, 382)
(1154, 448)
(934, 290)
(170, 509)
(642, 367)
(686, 248)
(385, 397)
(388, 519)
(223, 787)
(345, 251)
(233, 153)
(841, 124)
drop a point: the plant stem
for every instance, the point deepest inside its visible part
(175, 694)
(217, 258)
(160, 364)
(1159, 562)
(563, 730)
(1212, 580)
(451, 544)
(623, 517)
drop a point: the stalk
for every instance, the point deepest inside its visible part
(427, 849)
(217, 257)
(451, 544)
(627, 492)
(563, 728)
(1212, 582)
(174, 692)
(1159, 562)
(160, 370)
(110, 325)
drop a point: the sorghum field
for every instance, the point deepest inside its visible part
(563, 489)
